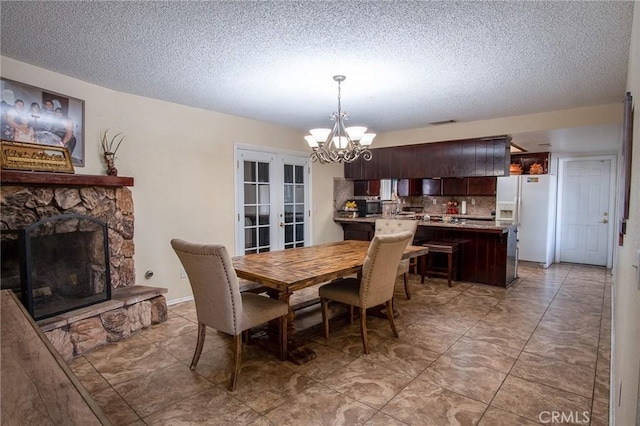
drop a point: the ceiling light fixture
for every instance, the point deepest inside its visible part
(340, 144)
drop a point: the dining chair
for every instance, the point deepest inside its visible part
(376, 285)
(392, 226)
(219, 303)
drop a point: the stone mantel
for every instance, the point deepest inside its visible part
(15, 177)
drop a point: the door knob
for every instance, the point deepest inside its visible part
(281, 225)
(604, 221)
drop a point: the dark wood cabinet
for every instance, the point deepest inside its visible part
(358, 231)
(366, 188)
(409, 187)
(482, 186)
(460, 158)
(454, 186)
(431, 186)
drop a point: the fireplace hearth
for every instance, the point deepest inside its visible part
(57, 264)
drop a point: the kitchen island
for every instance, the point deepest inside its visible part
(487, 252)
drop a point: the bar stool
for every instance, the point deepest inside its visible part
(446, 247)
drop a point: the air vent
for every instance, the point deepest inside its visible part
(544, 144)
(437, 123)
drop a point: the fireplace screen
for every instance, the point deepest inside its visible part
(61, 263)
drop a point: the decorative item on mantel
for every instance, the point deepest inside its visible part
(109, 149)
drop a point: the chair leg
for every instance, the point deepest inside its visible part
(325, 316)
(351, 310)
(283, 338)
(237, 355)
(363, 329)
(390, 317)
(202, 332)
(406, 285)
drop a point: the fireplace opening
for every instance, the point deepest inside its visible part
(57, 264)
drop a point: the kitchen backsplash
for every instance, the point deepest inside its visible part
(343, 192)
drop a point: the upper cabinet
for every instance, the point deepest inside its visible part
(526, 160)
(482, 186)
(366, 188)
(409, 187)
(462, 158)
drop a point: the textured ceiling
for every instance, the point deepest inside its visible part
(407, 63)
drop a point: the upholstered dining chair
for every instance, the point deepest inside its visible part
(376, 285)
(392, 226)
(219, 303)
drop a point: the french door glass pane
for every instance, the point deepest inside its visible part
(294, 204)
(256, 207)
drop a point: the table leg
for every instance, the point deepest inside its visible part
(296, 354)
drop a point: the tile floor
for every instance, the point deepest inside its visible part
(470, 354)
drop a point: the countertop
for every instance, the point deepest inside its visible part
(464, 224)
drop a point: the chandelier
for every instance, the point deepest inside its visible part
(340, 144)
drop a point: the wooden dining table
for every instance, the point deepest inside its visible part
(283, 272)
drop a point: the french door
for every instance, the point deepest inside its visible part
(273, 207)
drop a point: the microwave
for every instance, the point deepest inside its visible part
(368, 208)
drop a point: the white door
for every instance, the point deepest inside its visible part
(272, 208)
(585, 205)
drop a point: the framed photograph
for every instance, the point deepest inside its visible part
(627, 144)
(34, 157)
(38, 116)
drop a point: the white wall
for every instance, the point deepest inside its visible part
(182, 162)
(577, 117)
(626, 294)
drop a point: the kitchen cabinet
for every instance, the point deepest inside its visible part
(358, 231)
(481, 186)
(454, 186)
(366, 188)
(527, 159)
(431, 186)
(460, 158)
(409, 187)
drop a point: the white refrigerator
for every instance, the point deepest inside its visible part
(534, 201)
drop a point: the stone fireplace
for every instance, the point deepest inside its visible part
(75, 206)
(57, 264)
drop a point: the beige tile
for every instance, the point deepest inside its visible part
(464, 377)
(348, 339)
(563, 346)
(577, 307)
(430, 338)
(129, 358)
(88, 375)
(381, 419)
(264, 385)
(458, 323)
(367, 382)
(170, 328)
(496, 417)
(156, 390)
(600, 413)
(602, 386)
(532, 400)
(555, 373)
(484, 354)
(327, 361)
(319, 405)
(425, 403)
(401, 357)
(114, 407)
(212, 406)
(501, 333)
(183, 346)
